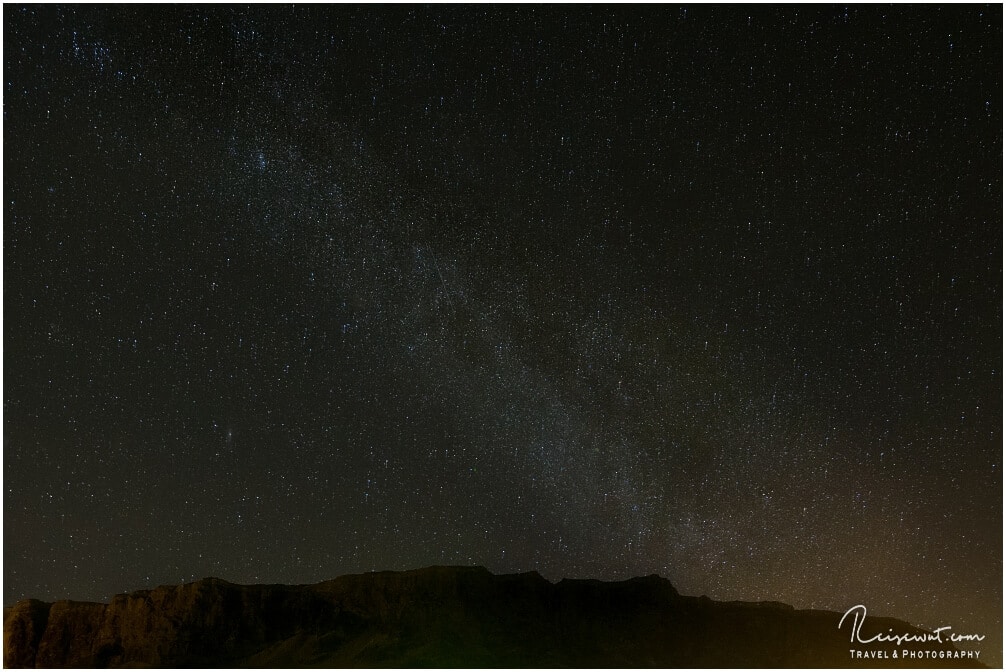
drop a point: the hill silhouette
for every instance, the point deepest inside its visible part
(441, 617)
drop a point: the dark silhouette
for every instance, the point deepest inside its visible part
(442, 617)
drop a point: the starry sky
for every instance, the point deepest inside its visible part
(708, 292)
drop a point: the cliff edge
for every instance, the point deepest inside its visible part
(440, 617)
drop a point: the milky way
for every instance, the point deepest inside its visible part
(713, 293)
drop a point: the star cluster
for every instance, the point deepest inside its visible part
(709, 292)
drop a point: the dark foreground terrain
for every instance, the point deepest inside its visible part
(441, 616)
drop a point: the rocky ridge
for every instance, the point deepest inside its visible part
(441, 617)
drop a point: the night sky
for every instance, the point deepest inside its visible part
(708, 292)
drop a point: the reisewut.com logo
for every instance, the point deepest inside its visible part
(939, 641)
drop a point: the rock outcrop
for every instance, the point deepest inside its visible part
(440, 616)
